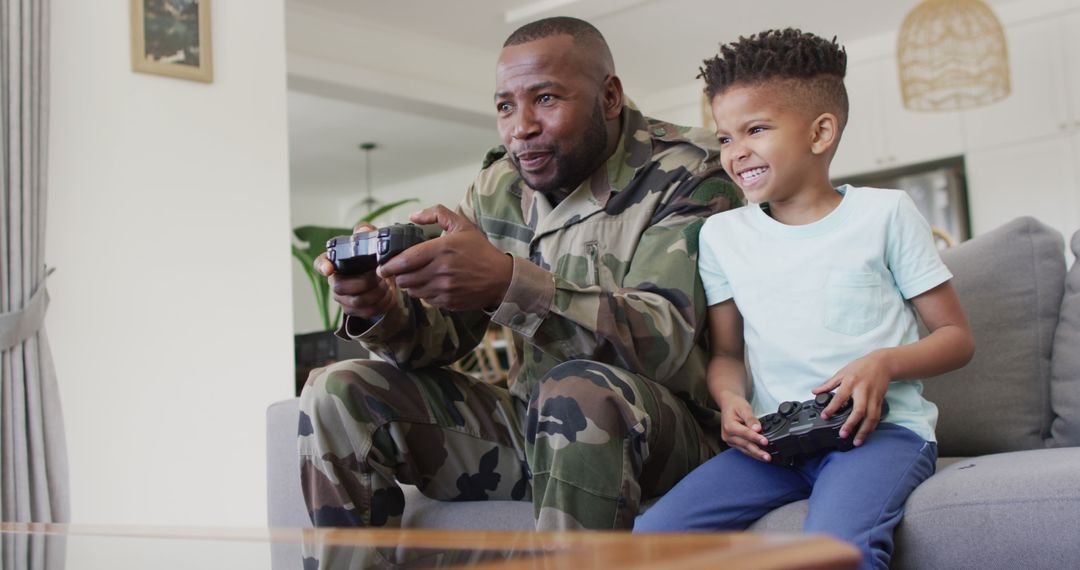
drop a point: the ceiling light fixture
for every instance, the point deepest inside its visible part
(952, 56)
(369, 201)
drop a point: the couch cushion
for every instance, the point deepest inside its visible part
(1065, 368)
(1010, 282)
(1009, 510)
(422, 512)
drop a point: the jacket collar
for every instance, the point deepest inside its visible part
(592, 195)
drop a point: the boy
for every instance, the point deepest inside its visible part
(822, 285)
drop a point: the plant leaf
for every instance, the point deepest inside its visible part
(370, 216)
(315, 237)
(313, 244)
(319, 285)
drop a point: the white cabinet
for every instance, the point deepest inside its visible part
(1038, 178)
(863, 142)
(881, 133)
(1071, 54)
(1044, 61)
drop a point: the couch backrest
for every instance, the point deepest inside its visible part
(1010, 282)
(1065, 361)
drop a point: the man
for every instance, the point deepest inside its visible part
(580, 235)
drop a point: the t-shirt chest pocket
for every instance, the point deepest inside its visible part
(853, 302)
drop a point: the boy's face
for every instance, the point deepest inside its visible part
(765, 145)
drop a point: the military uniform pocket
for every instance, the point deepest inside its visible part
(853, 302)
(592, 255)
(581, 269)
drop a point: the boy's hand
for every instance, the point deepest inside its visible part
(739, 428)
(865, 381)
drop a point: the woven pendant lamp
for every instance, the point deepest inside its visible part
(952, 56)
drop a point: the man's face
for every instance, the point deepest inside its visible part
(550, 113)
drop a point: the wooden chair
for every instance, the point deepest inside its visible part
(484, 361)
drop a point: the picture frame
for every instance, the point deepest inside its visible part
(172, 38)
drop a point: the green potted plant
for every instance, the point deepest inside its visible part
(320, 348)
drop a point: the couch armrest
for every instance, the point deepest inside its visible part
(284, 499)
(1007, 510)
(1065, 368)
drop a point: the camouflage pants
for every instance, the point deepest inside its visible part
(592, 442)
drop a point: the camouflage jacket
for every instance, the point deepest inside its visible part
(609, 274)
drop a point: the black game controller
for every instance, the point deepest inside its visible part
(364, 251)
(797, 429)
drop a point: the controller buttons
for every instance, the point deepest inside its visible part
(788, 408)
(823, 399)
(770, 423)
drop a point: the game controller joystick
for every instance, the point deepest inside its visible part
(364, 251)
(797, 429)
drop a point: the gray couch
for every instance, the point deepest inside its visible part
(1007, 490)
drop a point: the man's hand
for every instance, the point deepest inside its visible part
(865, 381)
(460, 270)
(739, 428)
(366, 295)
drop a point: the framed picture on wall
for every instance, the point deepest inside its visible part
(172, 37)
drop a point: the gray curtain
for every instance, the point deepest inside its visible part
(33, 455)
(39, 551)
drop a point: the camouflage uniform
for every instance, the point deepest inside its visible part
(607, 402)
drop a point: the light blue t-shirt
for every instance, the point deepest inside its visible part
(818, 296)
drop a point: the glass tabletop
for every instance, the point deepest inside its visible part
(79, 551)
(29, 546)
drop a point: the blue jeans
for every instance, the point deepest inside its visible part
(857, 496)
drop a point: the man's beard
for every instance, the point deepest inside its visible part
(578, 162)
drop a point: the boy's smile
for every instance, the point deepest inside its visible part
(760, 141)
(768, 147)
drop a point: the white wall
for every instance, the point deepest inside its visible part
(445, 188)
(681, 104)
(168, 225)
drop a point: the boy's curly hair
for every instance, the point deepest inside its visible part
(816, 66)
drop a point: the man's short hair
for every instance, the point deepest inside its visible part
(585, 35)
(814, 66)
